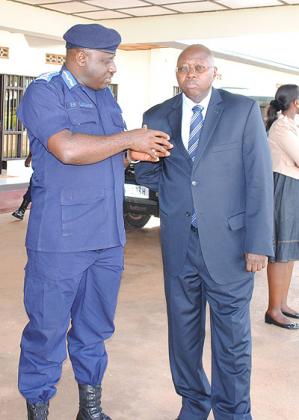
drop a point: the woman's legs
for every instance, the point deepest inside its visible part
(284, 303)
(279, 279)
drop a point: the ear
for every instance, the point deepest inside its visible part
(215, 73)
(81, 58)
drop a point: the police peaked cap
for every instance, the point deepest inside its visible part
(92, 36)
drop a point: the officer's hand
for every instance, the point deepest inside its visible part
(151, 142)
(255, 262)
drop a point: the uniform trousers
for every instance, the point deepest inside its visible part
(69, 297)
(186, 296)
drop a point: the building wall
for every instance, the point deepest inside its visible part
(132, 78)
(27, 54)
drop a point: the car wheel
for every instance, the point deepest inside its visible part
(136, 221)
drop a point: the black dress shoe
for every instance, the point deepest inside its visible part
(19, 214)
(296, 315)
(290, 326)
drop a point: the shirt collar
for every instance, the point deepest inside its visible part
(204, 103)
(68, 78)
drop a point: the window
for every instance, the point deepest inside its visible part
(114, 90)
(13, 139)
(176, 90)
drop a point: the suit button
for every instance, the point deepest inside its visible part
(188, 214)
(194, 183)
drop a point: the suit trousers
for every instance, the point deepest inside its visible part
(186, 295)
(60, 288)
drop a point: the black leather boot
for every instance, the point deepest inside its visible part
(37, 411)
(90, 403)
(19, 214)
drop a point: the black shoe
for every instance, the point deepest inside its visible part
(290, 326)
(290, 315)
(90, 403)
(19, 214)
(37, 411)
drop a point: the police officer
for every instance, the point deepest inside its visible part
(75, 234)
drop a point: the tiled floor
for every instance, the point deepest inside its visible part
(137, 383)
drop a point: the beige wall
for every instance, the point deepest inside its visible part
(27, 54)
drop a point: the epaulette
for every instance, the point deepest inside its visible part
(47, 76)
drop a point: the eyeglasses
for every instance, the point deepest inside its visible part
(198, 69)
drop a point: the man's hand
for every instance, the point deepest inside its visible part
(145, 156)
(255, 262)
(141, 156)
(28, 160)
(153, 143)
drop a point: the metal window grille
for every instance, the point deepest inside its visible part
(175, 90)
(114, 89)
(14, 143)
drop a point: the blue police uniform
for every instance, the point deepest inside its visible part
(75, 237)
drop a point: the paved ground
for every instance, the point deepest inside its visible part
(137, 384)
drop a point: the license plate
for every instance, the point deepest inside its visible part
(136, 191)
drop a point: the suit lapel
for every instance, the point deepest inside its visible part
(175, 124)
(212, 118)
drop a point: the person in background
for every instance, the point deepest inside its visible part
(216, 217)
(75, 238)
(20, 212)
(284, 145)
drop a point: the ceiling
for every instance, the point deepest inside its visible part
(120, 9)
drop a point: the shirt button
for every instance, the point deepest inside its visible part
(188, 214)
(194, 183)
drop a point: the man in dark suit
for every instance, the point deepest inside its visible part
(215, 194)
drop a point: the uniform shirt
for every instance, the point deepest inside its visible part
(74, 207)
(187, 113)
(284, 146)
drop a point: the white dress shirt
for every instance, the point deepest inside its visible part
(187, 113)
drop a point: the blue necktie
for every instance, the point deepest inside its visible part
(195, 128)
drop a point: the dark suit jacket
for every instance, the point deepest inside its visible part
(229, 185)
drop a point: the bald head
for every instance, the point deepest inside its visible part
(196, 71)
(197, 49)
